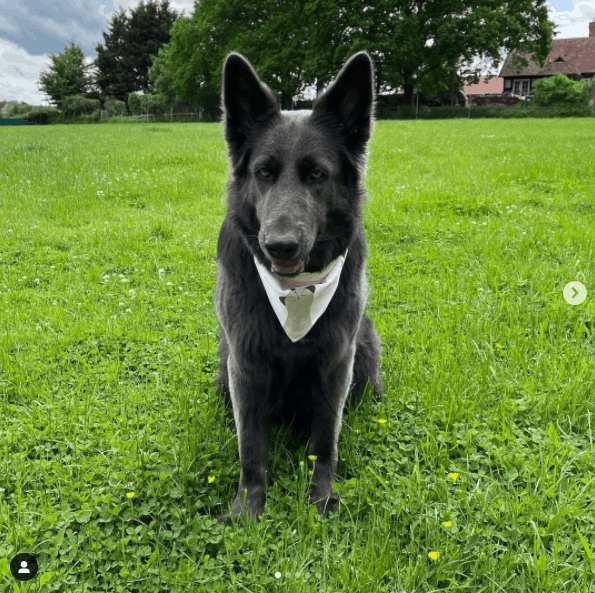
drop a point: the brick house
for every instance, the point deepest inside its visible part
(573, 57)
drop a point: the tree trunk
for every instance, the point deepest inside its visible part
(409, 98)
(286, 101)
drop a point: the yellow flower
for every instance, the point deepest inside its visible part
(454, 476)
(130, 494)
(434, 555)
(312, 457)
(447, 523)
(211, 479)
(121, 419)
(498, 345)
(382, 421)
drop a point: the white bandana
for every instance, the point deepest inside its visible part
(299, 301)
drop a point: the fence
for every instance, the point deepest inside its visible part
(156, 116)
(477, 111)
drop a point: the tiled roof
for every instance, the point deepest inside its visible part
(578, 55)
(494, 85)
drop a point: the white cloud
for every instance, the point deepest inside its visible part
(19, 73)
(575, 22)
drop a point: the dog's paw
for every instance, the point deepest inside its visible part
(250, 506)
(326, 503)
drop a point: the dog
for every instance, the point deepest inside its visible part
(292, 286)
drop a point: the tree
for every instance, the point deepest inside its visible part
(123, 64)
(200, 43)
(149, 29)
(560, 91)
(67, 75)
(114, 71)
(413, 40)
(296, 44)
(160, 75)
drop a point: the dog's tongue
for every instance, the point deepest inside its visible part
(286, 267)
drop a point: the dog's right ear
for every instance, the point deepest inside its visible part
(245, 100)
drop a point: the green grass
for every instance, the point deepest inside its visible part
(108, 354)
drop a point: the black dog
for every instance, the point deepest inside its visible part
(292, 286)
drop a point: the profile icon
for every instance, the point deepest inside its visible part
(23, 567)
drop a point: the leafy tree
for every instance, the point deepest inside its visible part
(150, 26)
(67, 75)
(160, 75)
(413, 40)
(296, 44)
(560, 91)
(123, 64)
(590, 84)
(200, 43)
(115, 75)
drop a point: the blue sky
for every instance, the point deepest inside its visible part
(32, 29)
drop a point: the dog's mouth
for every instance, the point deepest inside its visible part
(288, 268)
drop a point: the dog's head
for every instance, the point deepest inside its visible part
(295, 186)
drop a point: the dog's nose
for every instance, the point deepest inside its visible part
(282, 248)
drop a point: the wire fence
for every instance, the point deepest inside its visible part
(155, 116)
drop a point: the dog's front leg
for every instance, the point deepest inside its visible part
(247, 391)
(326, 427)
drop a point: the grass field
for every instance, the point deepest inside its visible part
(474, 473)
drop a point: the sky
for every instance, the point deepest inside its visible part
(32, 29)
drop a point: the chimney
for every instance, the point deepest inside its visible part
(592, 29)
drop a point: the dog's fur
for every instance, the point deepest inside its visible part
(287, 213)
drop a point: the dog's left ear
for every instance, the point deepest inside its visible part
(349, 101)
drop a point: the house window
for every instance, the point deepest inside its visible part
(521, 87)
(507, 84)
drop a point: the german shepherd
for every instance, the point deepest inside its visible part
(292, 286)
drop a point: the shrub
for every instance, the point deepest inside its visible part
(134, 102)
(75, 105)
(560, 91)
(90, 118)
(115, 107)
(40, 117)
(156, 105)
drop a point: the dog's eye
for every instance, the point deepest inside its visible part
(317, 174)
(263, 172)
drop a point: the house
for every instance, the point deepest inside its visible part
(488, 92)
(573, 57)
(491, 86)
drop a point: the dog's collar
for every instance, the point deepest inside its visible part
(299, 301)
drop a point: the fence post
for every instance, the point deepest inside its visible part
(171, 113)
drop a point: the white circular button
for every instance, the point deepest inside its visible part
(575, 293)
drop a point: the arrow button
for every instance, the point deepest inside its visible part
(575, 293)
